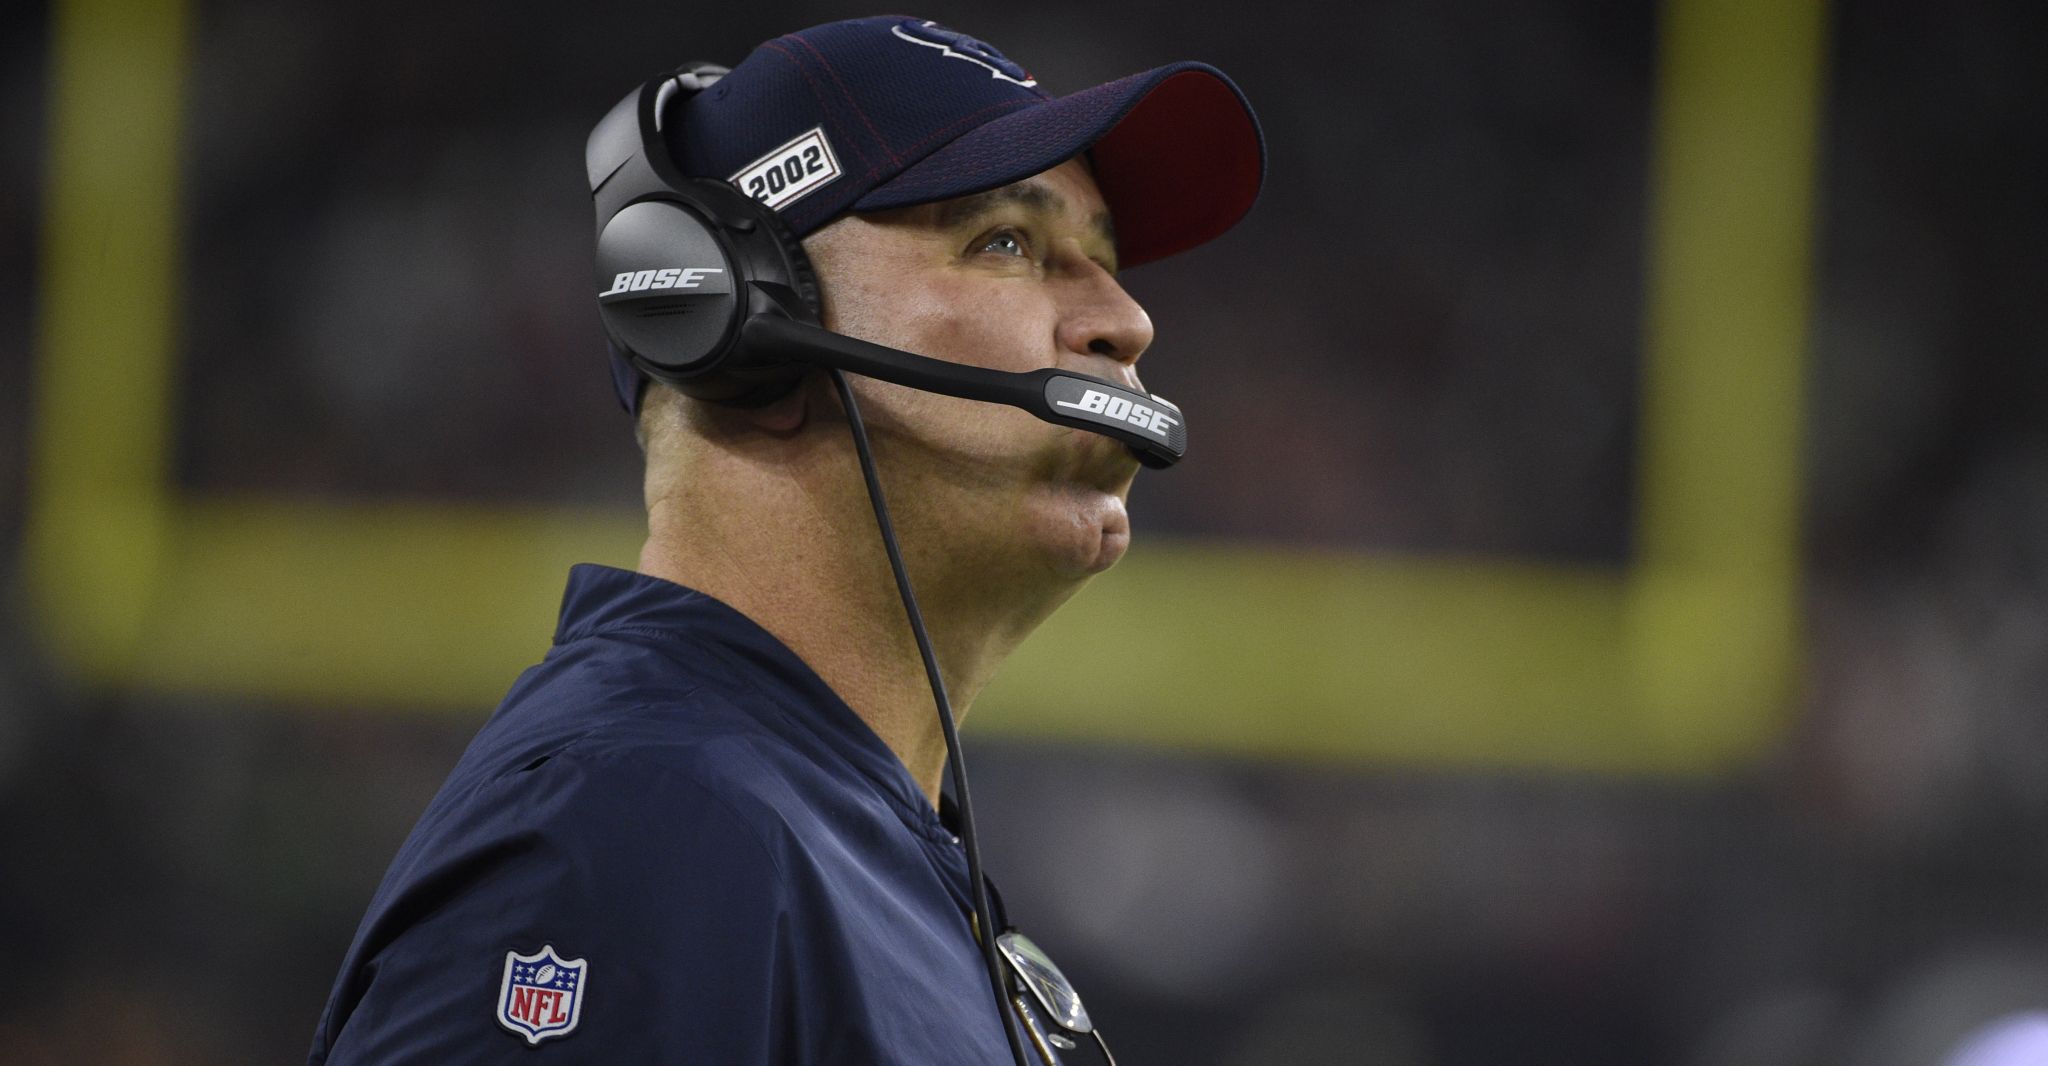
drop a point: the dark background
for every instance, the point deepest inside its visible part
(385, 265)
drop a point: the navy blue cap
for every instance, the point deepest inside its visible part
(891, 111)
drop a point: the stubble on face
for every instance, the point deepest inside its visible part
(996, 491)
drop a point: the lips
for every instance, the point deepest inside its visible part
(1102, 463)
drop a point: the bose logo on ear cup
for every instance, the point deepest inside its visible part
(1101, 403)
(671, 278)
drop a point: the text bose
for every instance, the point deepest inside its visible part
(1101, 403)
(671, 278)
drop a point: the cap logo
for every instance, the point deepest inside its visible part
(956, 45)
(791, 172)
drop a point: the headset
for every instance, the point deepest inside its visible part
(707, 290)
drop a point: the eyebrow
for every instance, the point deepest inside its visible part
(1031, 197)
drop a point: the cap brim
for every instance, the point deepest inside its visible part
(1176, 152)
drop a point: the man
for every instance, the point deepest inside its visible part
(707, 828)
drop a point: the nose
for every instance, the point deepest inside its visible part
(1099, 317)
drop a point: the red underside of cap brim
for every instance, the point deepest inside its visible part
(1176, 153)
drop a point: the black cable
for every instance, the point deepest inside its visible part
(956, 762)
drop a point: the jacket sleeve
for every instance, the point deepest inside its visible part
(666, 906)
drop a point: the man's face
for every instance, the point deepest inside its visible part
(1016, 279)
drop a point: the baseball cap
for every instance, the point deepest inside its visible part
(890, 111)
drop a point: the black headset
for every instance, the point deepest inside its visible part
(707, 290)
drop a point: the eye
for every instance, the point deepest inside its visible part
(1006, 242)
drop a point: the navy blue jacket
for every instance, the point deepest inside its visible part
(673, 843)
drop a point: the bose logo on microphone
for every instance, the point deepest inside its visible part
(1097, 402)
(672, 278)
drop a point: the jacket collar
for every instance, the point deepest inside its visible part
(796, 703)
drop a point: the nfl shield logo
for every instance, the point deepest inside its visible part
(542, 994)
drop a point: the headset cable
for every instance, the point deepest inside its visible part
(956, 762)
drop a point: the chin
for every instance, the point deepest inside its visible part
(1085, 531)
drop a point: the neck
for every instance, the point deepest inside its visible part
(797, 551)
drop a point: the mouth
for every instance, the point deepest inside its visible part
(1103, 464)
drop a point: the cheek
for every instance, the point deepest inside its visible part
(984, 324)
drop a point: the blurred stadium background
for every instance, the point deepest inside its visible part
(1650, 668)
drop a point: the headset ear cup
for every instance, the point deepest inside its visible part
(802, 276)
(672, 294)
(681, 259)
(764, 255)
(773, 254)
